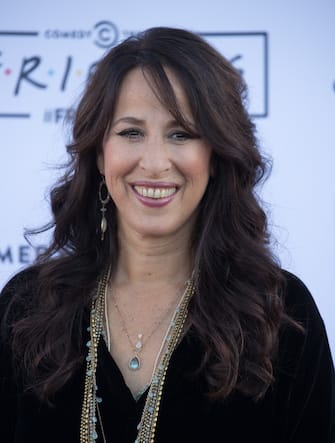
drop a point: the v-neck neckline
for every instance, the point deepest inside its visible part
(116, 385)
(115, 380)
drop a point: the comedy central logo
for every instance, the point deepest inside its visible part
(104, 34)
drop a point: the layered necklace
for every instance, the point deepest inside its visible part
(134, 362)
(90, 409)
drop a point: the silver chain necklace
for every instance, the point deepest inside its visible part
(134, 363)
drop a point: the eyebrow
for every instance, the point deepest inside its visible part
(138, 121)
(131, 120)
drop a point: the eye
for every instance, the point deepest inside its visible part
(131, 133)
(181, 136)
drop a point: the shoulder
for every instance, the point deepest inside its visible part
(23, 282)
(18, 294)
(299, 302)
(305, 340)
(295, 291)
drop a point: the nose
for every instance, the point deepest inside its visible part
(155, 156)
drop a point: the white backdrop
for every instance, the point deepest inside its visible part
(284, 49)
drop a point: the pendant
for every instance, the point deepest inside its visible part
(139, 343)
(134, 363)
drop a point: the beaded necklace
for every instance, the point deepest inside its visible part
(90, 408)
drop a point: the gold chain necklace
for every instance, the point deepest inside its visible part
(134, 362)
(91, 401)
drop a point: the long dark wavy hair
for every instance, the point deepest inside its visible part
(237, 310)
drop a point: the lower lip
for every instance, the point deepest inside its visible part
(154, 202)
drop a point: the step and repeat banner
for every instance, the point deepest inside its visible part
(286, 53)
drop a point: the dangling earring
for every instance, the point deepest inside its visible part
(103, 201)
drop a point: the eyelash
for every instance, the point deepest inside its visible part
(180, 136)
(134, 134)
(131, 133)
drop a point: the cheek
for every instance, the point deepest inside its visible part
(116, 162)
(117, 168)
(198, 167)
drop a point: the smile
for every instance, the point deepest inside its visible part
(155, 193)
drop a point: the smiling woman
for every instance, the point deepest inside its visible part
(158, 313)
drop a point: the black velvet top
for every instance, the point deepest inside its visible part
(298, 408)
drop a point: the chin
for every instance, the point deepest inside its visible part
(155, 232)
(161, 227)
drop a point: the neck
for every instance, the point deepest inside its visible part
(152, 260)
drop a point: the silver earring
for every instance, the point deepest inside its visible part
(103, 201)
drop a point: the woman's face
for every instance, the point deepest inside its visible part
(156, 172)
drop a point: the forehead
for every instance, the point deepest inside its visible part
(139, 85)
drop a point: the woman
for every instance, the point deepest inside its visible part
(158, 313)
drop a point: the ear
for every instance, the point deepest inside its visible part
(101, 162)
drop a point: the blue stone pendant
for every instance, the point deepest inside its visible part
(134, 363)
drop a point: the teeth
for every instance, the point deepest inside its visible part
(155, 192)
(150, 192)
